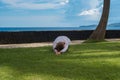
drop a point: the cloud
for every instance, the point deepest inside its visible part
(94, 8)
(95, 3)
(89, 12)
(64, 2)
(35, 4)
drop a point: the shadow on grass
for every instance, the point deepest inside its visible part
(43, 61)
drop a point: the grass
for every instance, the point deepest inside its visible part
(87, 61)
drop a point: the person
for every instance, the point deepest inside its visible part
(61, 44)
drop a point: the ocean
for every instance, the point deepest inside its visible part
(18, 29)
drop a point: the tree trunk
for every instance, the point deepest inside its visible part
(99, 33)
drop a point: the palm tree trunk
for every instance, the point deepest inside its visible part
(99, 33)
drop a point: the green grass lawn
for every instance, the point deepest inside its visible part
(87, 61)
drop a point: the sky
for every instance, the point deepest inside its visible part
(54, 13)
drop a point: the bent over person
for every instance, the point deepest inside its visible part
(61, 44)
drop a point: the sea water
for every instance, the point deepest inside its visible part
(16, 29)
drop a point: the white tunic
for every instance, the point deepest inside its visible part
(64, 39)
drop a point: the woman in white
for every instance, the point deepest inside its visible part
(61, 44)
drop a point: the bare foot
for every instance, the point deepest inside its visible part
(58, 53)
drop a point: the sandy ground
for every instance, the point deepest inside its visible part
(43, 44)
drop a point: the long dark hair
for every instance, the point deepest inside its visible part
(59, 46)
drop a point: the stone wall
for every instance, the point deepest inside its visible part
(46, 36)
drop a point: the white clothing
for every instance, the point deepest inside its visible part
(64, 39)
